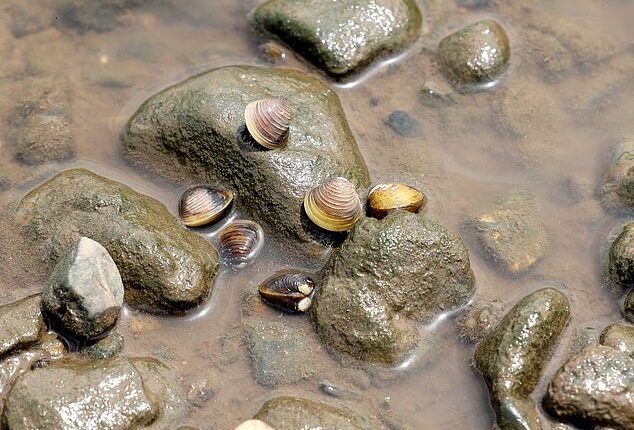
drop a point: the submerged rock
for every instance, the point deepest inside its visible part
(21, 324)
(107, 347)
(164, 267)
(195, 132)
(595, 387)
(512, 233)
(343, 36)
(95, 15)
(621, 257)
(618, 188)
(291, 413)
(476, 55)
(628, 306)
(387, 278)
(479, 319)
(404, 124)
(513, 356)
(619, 336)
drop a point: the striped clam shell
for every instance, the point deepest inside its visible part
(268, 121)
(203, 205)
(384, 198)
(240, 241)
(334, 205)
(289, 291)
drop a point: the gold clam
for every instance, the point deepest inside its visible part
(240, 241)
(203, 205)
(268, 121)
(289, 291)
(334, 205)
(384, 198)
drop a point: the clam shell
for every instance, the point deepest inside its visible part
(202, 205)
(384, 198)
(240, 241)
(333, 205)
(267, 121)
(289, 291)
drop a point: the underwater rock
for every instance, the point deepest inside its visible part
(404, 124)
(512, 233)
(618, 186)
(291, 413)
(513, 356)
(595, 387)
(619, 336)
(387, 278)
(95, 15)
(476, 55)
(21, 324)
(628, 306)
(344, 36)
(107, 347)
(621, 257)
(479, 319)
(29, 18)
(164, 267)
(195, 132)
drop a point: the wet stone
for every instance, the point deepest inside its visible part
(21, 324)
(618, 185)
(619, 336)
(85, 293)
(107, 347)
(513, 356)
(404, 124)
(479, 319)
(344, 36)
(95, 15)
(164, 267)
(628, 306)
(387, 278)
(595, 387)
(291, 413)
(476, 55)
(512, 233)
(621, 257)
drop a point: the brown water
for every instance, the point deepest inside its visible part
(567, 125)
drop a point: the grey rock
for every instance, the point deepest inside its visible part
(619, 336)
(340, 37)
(404, 124)
(621, 257)
(479, 319)
(628, 306)
(389, 276)
(513, 356)
(195, 132)
(164, 267)
(85, 293)
(290, 413)
(476, 55)
(595, 387)
(107, 347)
(95, 15)
(21, 324)
(618, 186)
(512, 233)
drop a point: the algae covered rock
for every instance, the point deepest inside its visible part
(21, 324)
(340, 36)
(621, 257)
(619, 336)
(164, 267)
(195, 132)
(513, 356)
(618, 188)
(389, 276)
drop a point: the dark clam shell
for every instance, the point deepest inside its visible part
(289, 291)
(203, 205)
(240, 241)
(268, 121)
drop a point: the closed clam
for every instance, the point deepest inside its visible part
(333, 205)
(268, 121)
(240, 241)
(384, 198)
(202, 205)
(289, 291)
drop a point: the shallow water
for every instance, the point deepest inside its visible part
(464, 160)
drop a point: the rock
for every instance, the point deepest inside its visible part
(618, 186)
(621, 257)
(279, 353)
(164, 267)
(619, 336)
(194, 132)
(29, 19)
(595, 387)
(338, 392)
(435, 94)
(290, 413)
(40, 126)
(404, 124)
(628, 306)
(254, 425)
(479, 319)
(344, 36)
(94, 15)
(476, 55)
(107, 347)
(85, 293)
(513, 356)
(512, 233)
(387, 278)
(21, 324)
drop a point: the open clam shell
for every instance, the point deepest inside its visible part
(384, 198)
(203, 205)
(289, 291)
(334, 205)
(268, 121)
(240, 241)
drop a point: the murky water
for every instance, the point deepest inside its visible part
(564, 127)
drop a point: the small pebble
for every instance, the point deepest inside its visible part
(404, 124)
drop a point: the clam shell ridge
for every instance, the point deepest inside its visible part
(268, 121)
(290, 291)
(385, 198)
(202, 205)
(333, 205)
(240, 241)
